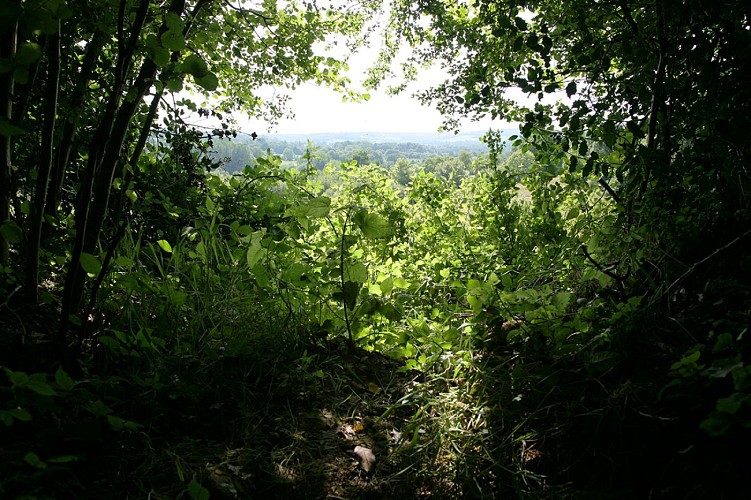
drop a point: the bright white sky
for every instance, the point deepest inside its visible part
(319, 109)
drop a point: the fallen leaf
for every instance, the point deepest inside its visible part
(366, 456)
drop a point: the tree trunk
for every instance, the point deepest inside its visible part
(93, 199)
(45, 166)
(7, 51)
(70, 129)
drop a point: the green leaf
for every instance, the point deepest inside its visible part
(159, 55)
(196, 491)
(717, 424)
(730, 404)
(173, 22)
(8, 129)
(350, 291)
(742, 378)
(20, 414)
(175, 84)
(98, 408)
(90, 263)
(255, 251)
(62, 459)
(373, 226)
(357, 272)
(209, 82)
(210, 205)
(34, 460)
(11, 232)
(571, 89)
(28, 53)
(507, 281)
(319, 207)
(561, 300)
(173, 40)
(115, 422)
(18, 379)
(400, 282)
(606, 357)
(21, 75)
(63, 380)
(687, 360)
(123, 261)
(195, 66)
(164, 245)
(724, 341)
(40, 386)
(391, 312)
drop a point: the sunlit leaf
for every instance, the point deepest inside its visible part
(319, 207)
(164, 245)
(356, 272)
(255, 252)
(373, 226)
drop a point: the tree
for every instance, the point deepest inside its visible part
(650, 100)
(402, 171)
(649, 103)
(82, 85)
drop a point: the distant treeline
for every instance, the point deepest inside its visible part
(235, 154)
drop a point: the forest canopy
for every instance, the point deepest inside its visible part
(562, 313)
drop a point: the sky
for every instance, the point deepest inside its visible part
(321, 110)
(318, 109)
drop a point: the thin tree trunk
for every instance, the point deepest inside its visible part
(70, 129)
(74, 279)
(45, 166)
(94, 199)
(7, 51)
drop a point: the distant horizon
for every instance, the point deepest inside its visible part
(383, 136)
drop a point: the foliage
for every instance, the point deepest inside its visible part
(82, 175)
(476, 320)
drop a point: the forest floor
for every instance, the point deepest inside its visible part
(336, 425)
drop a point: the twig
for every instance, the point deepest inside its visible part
(10, 295)
(705, 259)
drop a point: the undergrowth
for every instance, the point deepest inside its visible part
(456, 331)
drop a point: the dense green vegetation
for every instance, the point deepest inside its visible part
(564, 316)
